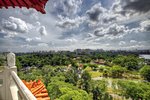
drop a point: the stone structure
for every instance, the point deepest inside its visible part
(11, 60)
(11, 87)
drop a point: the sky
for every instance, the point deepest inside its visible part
(77, 24)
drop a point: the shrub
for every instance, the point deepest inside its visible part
(145, 72)
(134, 90)
(117, 71)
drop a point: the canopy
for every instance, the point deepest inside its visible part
(39, 5)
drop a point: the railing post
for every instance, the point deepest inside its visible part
(12, 87)
(9, 83)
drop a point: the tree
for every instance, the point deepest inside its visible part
(18, 64)
(134, 90)
(145, 72)
(54, 91)
(96, 93)
(93, 66)
(117, 71)
(99, 90)
(70, 94)
(131, 62)
(2, 61)
(86, 81)
(72, 76)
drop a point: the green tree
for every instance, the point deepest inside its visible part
(86, 81)
(54, 91)
(145, 72)
(72, 76)
(99, 90)
(134, 90)
(93, 66)
(117, 71)
(1, 61)
(70, 94)
(131, 62)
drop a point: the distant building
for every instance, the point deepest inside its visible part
(100, 61)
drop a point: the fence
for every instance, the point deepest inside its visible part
(11, 86)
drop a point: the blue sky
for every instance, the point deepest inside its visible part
(72, 24)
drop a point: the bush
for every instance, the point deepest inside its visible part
(134, 90)
(99, 90)
(71, 94)
(145, 72)
(93, 66)
(117, 71)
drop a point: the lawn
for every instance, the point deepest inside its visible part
(95, 74)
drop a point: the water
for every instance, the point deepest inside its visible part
(145, 56)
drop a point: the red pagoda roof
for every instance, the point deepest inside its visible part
(39, 5)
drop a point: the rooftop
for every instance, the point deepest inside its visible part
(38, 89)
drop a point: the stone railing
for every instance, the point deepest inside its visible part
(11, 86)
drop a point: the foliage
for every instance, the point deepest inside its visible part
(99, 91)
(75, 84)
(70, 94)
(117, 71)
(93, 66)
(86, 81)
(131, 62)
(134, 90)
(145, 72)
(95, 74)
(71, 76)
(33, 74)
(85, 59)
(106, 72)
(1, 61)
(54, 91)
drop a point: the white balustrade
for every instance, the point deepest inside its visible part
(11, 86)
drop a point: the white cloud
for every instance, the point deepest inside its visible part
(67, 23)
(122, 43)
(33, 39)
(90, 35)
(145, 25)
(111, 30)
(137, 46)
(65, 7)
(133, 41)
(10, 34)
(42, 30)
(32, 13)
(100, 32)
(71, 40)
(115, 14)
(38, 38)
(110, 26)
(28, 39)
(43, 45)
(71, 6)
(39, 46)
(95, 12)
(15, 24)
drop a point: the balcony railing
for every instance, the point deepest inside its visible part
(11, 86)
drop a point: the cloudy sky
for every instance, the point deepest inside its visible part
(72, 24)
